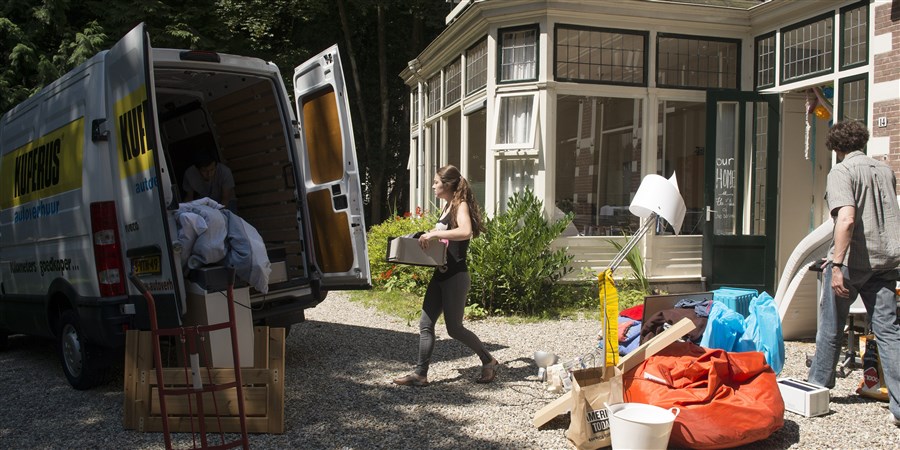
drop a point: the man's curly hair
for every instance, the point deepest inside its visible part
(847, 136)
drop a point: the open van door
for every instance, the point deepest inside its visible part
(142, 180)
(329, 171)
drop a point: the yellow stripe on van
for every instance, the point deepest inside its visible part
(135, 154)
(44, 167)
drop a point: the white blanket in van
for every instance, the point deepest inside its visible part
(210, 234)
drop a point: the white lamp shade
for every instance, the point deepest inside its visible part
(657, 195)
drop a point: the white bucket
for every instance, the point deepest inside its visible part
(640, 426)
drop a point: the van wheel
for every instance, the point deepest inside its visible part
(81, 361)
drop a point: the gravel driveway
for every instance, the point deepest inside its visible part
(339, 396)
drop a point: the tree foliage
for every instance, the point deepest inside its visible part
(40, 41)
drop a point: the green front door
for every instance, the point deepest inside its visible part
(741, 190)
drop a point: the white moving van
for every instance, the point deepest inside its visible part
(90, 176)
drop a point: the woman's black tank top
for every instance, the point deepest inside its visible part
(457, 251)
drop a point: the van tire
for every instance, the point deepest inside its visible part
(82, 362)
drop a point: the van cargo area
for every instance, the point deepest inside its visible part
(237, 120)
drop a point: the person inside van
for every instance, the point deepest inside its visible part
(209, 178)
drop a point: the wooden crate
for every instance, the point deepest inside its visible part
(263, 387)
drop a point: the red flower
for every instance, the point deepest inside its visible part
(387, 274)
(407, 214)
(419, 211)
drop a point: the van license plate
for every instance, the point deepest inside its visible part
(146, 265)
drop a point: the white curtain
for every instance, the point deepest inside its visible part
(519, 55)
(515, 176)
(514, 126)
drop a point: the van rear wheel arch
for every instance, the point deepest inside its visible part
(60, 295)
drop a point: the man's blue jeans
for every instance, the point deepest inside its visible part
(879, 297)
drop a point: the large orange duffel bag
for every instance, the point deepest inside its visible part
(726, 399)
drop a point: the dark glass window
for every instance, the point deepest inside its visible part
(600, 55)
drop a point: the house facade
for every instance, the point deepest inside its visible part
(579, 100)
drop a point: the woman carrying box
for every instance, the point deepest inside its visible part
(449, 287)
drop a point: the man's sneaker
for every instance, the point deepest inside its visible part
(893, 419)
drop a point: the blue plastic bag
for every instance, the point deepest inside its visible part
(723, 328)
(763, 332)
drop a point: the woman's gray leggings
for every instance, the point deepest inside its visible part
(447, 295)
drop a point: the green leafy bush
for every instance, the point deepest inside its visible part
(512, 266)
(389, 276)
(635, 286)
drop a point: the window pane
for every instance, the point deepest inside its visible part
(855, 36)
(600, 55)
(434, 95)
(453, 138)
(759, 170)
(477, 147)
(476, 67)
(516, 174)
(518, 54)
(414, 111)
(697, 62)
(514, 125)
(452, 83)
(808, 49)
(434, 148)
(725, 194)
(680, 149)
(598, 162)
(765, 61)
(853, 100)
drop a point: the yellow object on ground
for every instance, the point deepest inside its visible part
(609, 312)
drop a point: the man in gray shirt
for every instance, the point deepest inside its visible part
(208, 178)
(863, 259)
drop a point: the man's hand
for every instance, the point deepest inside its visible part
(837, 283)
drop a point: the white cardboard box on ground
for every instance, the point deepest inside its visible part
(211, 307)
(804, 398)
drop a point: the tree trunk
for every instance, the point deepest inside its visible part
(364, 153)
(378, 189)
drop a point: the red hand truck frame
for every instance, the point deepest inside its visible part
(196, 389)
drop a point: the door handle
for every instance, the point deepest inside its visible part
(709, 210)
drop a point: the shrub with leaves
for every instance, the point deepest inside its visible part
(512, 265)
(635, 286)
(390, 276)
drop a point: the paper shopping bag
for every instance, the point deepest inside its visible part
(589, 426)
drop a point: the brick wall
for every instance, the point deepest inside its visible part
(887, 68)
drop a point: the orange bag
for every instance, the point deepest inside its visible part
(726, 399)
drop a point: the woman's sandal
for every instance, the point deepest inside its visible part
(412, 379)
(489, 371)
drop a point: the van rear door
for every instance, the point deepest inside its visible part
(140, 175)
(333, 198)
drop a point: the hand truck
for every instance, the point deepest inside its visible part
(193, 380)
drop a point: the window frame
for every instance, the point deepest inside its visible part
(840, 100)
(863, 4)
(529, 144)
(801, 24)
(482, 41)
(645, 60)
(537, 52)
(756, 40)
(737, 75)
